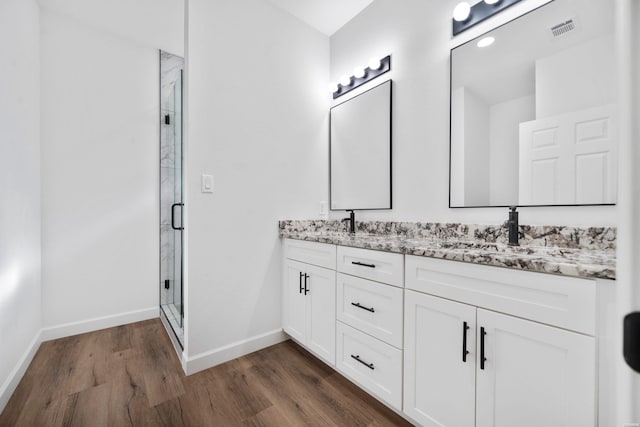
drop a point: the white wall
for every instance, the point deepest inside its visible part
(561, 78)
(505, 119)
(418, 36)
(100, 100)
(627, 393)
(257, 120)
(157, 24)
(20, 300)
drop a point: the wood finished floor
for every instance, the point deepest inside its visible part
(130, 376)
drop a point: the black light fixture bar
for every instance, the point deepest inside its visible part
(369, 74)
(479, 12)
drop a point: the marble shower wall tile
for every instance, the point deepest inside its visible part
(167, 254)
(167, 193)
(167, 141)
(169, 75)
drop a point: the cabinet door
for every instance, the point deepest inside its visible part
(439, 387)
(534, 375)
(294, 301)
(321, 306)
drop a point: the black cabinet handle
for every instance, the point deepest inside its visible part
(300, 289)
(363, 264)
(173, 216)
(482, 358)
(368, 365)
(465, 327)
(357, 304)
(306, 290)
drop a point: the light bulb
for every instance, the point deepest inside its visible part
(487, 41)
(491, 1)
(359, 72)
(462, 11)
(374, 63)
(333, 87)
(345, 80)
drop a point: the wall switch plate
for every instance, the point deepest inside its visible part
(324, 209)
(207, 184)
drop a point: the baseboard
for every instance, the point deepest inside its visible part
(95, 324)
(9, 386)
(220, 355)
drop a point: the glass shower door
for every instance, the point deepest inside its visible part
(171, 192)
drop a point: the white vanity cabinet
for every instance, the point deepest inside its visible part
(447, 343)
(369, 321)
(466, 365)
(309, 297)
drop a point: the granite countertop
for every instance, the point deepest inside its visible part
(588, 253)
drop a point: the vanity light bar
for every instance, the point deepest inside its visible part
(361, 76)
(466, 16)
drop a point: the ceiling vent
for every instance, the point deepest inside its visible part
(564, 28)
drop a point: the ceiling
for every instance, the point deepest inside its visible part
(327, 16)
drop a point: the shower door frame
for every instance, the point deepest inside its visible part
(176, 203)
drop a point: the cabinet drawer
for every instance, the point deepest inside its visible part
(372, 364)
(320, 254)
(382, 267)
(371, 307)
(567, 302)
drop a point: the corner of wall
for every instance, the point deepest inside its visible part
(217, 356)
(11, 383)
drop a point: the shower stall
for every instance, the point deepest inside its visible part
(171, 192)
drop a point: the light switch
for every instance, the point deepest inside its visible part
(207, 184)
(324, 210)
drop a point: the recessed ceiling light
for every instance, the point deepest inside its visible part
(487, 41)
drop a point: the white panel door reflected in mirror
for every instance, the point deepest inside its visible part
(533, 114)
(360, 151)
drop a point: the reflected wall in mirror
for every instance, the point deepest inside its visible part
(533, 114)
(360, 151)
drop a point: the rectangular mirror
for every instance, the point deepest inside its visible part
(533, 114)
(360, 151)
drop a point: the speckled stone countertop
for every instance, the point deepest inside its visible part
(588, 252)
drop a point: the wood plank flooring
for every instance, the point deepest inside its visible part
(130, 376)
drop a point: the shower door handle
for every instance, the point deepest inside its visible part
(173, 216)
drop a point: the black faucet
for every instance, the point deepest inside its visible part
(512, 223)
(352, 221)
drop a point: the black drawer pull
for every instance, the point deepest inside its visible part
(357, 304)
(363, 264)
(482, 358)
(300, 291)
(368, 365)
(465, 327)
(306, 290)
